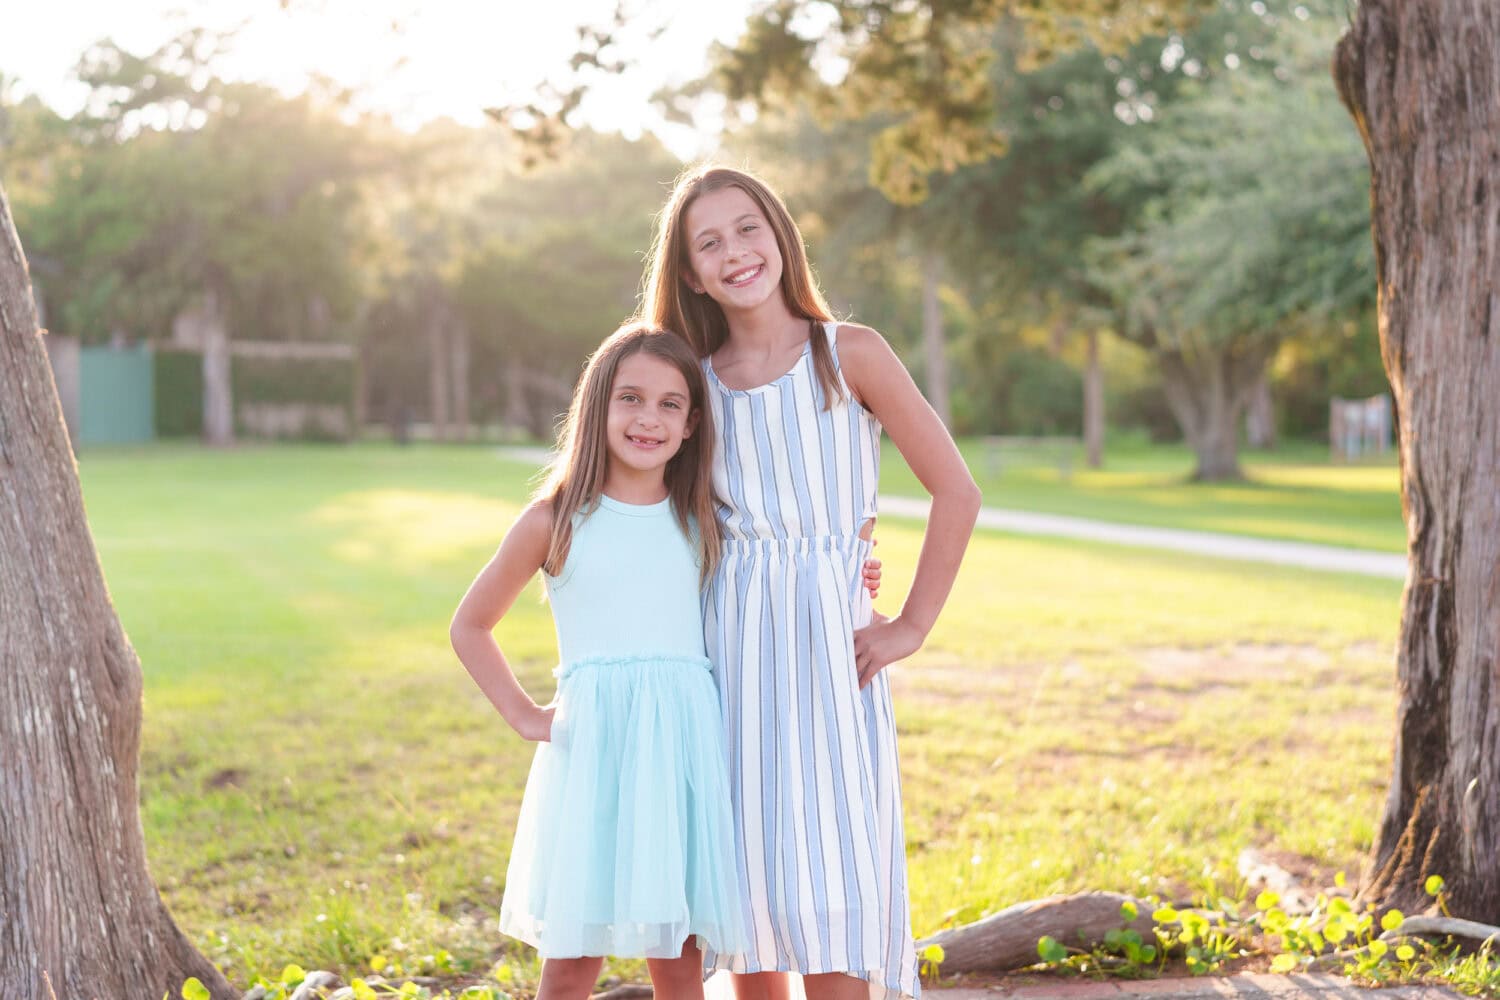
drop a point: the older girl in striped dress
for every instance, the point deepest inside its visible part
(798, 403)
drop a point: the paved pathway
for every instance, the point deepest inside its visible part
(1204, 543)
(1326, 558)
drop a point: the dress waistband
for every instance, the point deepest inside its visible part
(648, 661)
(801, 544)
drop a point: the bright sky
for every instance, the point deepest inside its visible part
(416, 59)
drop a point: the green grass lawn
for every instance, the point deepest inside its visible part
(321, 782)
(1291, 493)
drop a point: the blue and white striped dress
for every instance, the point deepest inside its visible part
(812, 758)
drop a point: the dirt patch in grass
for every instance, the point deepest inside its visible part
(1231, 664)
(229, 777)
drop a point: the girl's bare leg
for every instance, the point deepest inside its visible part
(678, 978)
(835, 986)
(761, 986)
(568, 978)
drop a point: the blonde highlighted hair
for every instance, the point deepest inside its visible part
(670, 302)
(575, 480)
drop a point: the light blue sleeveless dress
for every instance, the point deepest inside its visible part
(812, 758)
(624, 845)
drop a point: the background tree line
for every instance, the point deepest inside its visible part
(1174, 237)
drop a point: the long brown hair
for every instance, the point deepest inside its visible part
(575, 479)
(670, 303)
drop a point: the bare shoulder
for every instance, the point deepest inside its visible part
(534, 525)
(859, 341)
(866, 360)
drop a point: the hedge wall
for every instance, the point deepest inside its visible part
(179, 386)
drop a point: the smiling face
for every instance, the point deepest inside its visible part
(732, 252)
(650, 415)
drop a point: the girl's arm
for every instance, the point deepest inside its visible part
(882, 384)
(490, 596)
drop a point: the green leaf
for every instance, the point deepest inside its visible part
(378, 962)
(934, 953)
(1433, 885)
(1378, 949)
(1406, 953)
(1164, 915)
(1283, 963)
(293, 974)
(1128, 911)
(1050, 950)
(362, 990)
(1266, 900)
(194, 989)
(1392, 920)
(1340, 880)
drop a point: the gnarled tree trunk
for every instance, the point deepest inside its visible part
(1422, 80)
(76, 901)
(1207, 389)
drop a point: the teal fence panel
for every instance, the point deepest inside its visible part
(116, 390)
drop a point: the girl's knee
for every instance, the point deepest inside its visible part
(678, 978)
(568, 978)
(761, 986)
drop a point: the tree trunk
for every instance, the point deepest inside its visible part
(77, 905)
(458, 376)
(1422, 80)
(218, 390)
(1260, 416)
(1207, 394)
(359, 392)
(517, 415)
(438, 370)
(935, 350)
(1093, 403)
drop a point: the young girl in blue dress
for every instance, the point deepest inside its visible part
(798, 403)
(624, 845)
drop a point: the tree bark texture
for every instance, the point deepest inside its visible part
(76, 900)
(934, 345)
(1422, 80)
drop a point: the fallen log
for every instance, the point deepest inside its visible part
(1008, 939)
(1482, 934)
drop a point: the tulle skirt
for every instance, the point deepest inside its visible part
(625, 843)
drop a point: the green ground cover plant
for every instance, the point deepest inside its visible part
(322, 784)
